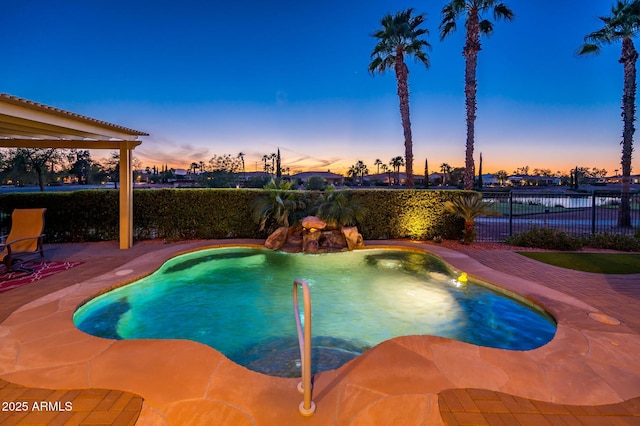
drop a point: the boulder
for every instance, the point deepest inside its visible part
(313, 222)
(354, 239)
(277, 239)
(311, 242)
(333, 240)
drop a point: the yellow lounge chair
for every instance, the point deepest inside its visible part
(25, 236)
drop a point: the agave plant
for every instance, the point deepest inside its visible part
(338, 209)
(469, 207)
(276, 205)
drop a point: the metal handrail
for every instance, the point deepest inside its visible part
(307, 406)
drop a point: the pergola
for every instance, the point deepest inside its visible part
(28, 124)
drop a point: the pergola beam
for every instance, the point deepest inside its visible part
(68, 143)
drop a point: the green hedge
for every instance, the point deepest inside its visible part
(415, 214)
(176, 214)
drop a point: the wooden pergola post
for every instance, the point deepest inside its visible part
(126, 198)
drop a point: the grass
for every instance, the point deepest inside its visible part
(522, 209)
(602, 263)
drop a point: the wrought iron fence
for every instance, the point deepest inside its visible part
(576, 214)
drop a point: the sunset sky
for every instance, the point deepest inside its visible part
(207, 78)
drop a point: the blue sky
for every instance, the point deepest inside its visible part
(210, 78)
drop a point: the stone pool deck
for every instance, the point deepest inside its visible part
(588, 374)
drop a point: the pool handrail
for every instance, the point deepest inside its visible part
(307, 406)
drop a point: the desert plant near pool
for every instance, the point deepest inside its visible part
(338, 209)
(276, 205)
(469, 207)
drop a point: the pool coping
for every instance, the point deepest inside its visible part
(588, 362)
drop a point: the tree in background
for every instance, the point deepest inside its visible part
(475, 25)
(622, 25)
(378, 163)
(445, 168)
(502, 176)
(398, 37)
(480, 173)
(396, 163)
(387, 170)
(278, 165)
(426, 173)
(241, 157)
(38, 160)
(316, 183)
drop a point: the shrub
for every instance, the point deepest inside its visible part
(316, 183)
(612, 242)
(406, 213)
(175, 214)
(545, 238)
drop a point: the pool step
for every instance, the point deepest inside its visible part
(281, 356)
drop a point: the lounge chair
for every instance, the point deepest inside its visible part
(25, 237)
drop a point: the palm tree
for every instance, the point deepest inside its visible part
(475, 25)
(378, 163)
(241, 157)
(469, 207)
(277, 205)
(502, 176)
(353, 173)
(362, 170)
(398, 37)
(445, 168)
(623, 24)
(338, 209)
(396, 163)
(385, 169)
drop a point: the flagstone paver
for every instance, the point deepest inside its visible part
(361, 392)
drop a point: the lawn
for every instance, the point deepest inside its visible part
(522, 209)
(603, 263)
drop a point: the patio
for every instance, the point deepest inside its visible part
(582, 377)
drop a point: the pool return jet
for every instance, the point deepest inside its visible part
(307, 406)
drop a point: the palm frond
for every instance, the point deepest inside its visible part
(623, 22)
(502, 11)
(589, 48)
(399, 33)
(486, 27)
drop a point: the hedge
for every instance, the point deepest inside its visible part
(176, 214)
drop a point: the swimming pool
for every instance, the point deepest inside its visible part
(239, 301)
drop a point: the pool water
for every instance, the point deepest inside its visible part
(240, 302)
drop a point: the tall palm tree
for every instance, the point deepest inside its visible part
(475, 25)
(445, 168)
(623, 24)
(400, 37)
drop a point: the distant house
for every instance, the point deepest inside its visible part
(526, 180)
(248, 175)
(384, 178)
(490, 180)
(331, 178)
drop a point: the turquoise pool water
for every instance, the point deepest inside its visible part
(240, 302)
